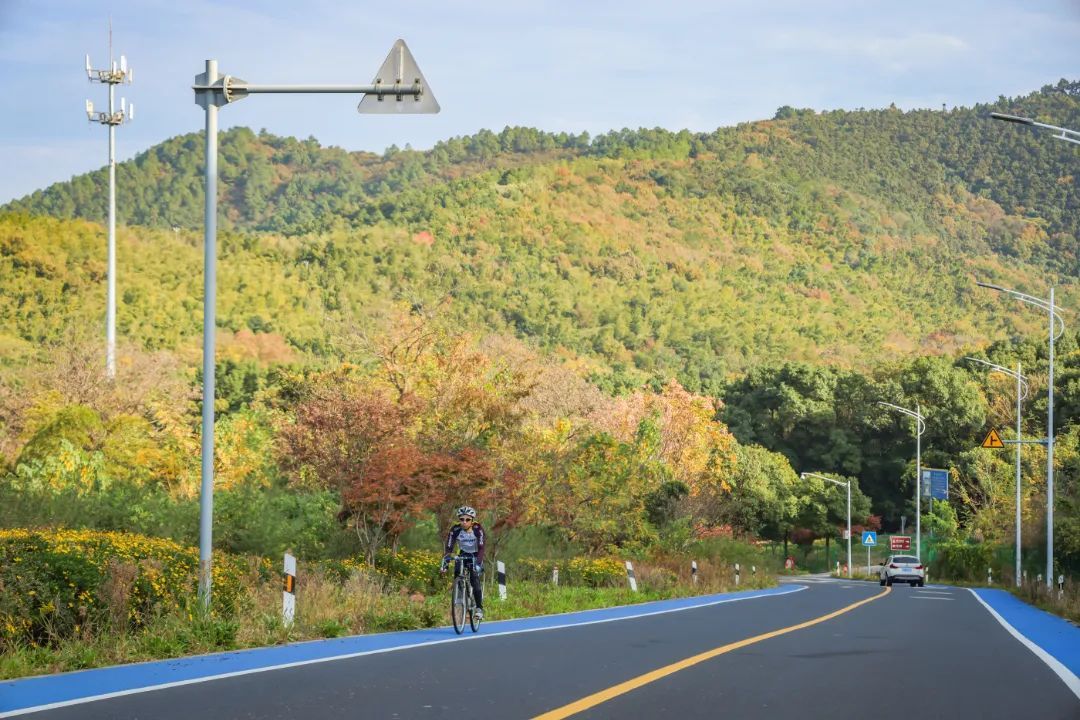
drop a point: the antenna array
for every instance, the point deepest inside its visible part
(116, 74)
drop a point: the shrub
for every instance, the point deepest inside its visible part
(578, 571)
(53, 583)
(963, 561)
(413, 570)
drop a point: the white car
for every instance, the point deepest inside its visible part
(902, 568)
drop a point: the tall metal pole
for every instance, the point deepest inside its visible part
(206, 502)
(918, 482)
(110, 301)
(398, 88)
(849, 528)
(1050, 458)
(1018, 440)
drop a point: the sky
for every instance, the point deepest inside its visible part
(581, 65)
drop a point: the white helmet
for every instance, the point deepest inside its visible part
(466, 511)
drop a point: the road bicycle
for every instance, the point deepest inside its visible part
(462, 602)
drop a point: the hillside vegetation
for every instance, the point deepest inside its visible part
(841, 237)
(630, 343)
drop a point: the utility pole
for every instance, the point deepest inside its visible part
(114, 74)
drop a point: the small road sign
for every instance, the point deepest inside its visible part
(869, 538)
(993, 440)
(899, 542)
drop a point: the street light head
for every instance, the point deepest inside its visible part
(1012, 118)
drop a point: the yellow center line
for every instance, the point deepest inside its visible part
(633, 683)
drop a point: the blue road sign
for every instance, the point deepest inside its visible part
(935, 484)
(869, 538)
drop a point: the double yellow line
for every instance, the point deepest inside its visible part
(633, 683)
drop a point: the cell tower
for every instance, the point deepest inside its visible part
(114, 74)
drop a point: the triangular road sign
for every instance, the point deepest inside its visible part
(399, 70)
(993, 440)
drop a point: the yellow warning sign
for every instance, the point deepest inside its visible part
(993, 440)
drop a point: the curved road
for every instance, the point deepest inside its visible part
(834, 650)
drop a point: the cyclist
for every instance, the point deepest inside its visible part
(469, 536)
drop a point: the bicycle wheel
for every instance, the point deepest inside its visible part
(474, 621)
(457, 605)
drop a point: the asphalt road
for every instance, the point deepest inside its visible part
(923, 653)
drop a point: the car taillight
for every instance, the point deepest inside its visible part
(894, 566)
(918, 567)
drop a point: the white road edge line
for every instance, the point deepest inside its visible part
(282, 666)
(1066, 675)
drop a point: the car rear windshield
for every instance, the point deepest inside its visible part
(906, 559)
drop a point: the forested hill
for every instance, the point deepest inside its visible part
(771, 168)
(843, 237)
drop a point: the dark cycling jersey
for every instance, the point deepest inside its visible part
(470, 542)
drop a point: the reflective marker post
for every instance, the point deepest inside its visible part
(398, 88)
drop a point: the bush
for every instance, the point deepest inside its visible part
(56, 583)
(413, 570)
(578, 571)
(963, 561)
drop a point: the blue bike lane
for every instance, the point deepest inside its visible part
(39, 693)
(1054, 640)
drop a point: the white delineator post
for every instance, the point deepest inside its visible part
(693, 571)
(630, 576)
(500, 578)
(555, 576)
(288, 591)
(736, 574)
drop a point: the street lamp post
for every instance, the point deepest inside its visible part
(1058, 325)
(920, 428)
(847, 484)
(398, 78)
(1021, 393)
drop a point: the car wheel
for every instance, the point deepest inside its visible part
(922, 583)
(882, 581)
(888, 581)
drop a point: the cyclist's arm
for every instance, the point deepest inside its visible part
(450, 538)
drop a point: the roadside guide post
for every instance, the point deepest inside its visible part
(693, 570)
(288, 591)
(500, 578)
(399, 88)
(630, 576)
